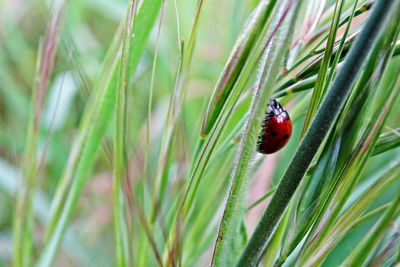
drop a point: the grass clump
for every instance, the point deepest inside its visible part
(128, 133)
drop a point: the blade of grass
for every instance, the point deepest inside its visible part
(310, 15)
(346, 221)
(172, 121)
(342, 43)
(387, 141)
(325, 117)
(261, 199)
(23, 228)
(322, 82)
(275, 244)
(120, 156)
(234, 209)
(363, 251)
(248, 37)
(84, 134)
(150, 101)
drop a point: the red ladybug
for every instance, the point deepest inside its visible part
(276, 129)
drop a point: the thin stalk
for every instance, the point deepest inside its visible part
(176, 103)
(150, 102)
(322, 82)
(119, 168)
(366, 217)
(23, 228)
(341, 45)
(261, 199)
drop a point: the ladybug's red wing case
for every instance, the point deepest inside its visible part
(276, 129)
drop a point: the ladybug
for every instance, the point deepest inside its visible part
(276, 129)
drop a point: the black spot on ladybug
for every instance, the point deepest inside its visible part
(274, 134)
(286, 136)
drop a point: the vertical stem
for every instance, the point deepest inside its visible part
(119, 168)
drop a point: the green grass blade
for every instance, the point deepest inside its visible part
(346, 221)
(274, 246)
(176, 105)
(236, 62)
(387, 141)
(361, 254)
(234, 209)
(23, 229)
(120, 155)
(106, 75)
(322, 81)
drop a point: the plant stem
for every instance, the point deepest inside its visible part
(120, 157)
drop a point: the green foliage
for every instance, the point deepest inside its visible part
(128, 133)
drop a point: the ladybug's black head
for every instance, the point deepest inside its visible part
(275, 108)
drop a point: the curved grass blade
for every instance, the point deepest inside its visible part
(176, 104)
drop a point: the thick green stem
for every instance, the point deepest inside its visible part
(319, 128)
